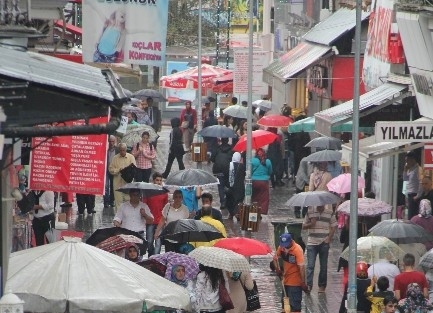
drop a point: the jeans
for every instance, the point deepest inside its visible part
(295, 297)
(312, 251)
(154, 245)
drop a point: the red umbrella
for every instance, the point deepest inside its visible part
(275, 120)
(260, 138)
(188, 79)
(245, 246)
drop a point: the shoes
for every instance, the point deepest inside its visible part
(322, 289)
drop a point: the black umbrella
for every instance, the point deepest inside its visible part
(191, 178)
(218, 131)
(187, 230)
(143, 94)
(401, 231)
(324, 156)
(104, 233)
(147, 189)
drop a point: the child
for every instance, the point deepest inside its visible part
(389, 304)
(376, 297)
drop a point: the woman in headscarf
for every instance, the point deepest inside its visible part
(261, 170)
(236, 191)
(132, 253)
(237, 281)
(415, 302)
(179, 278)
(424, 219)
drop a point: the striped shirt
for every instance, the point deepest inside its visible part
(324, 222)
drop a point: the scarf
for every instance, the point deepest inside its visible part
(181, 282)
(424, 208)
(414, 301)
(236, 158)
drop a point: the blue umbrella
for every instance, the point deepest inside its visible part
(217, 131)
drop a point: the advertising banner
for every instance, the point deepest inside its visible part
(132, 32)
(70, 163)
(240, 73)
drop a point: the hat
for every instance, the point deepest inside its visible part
(285, 240)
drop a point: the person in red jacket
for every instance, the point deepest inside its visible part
(155, 204)
(188, 120)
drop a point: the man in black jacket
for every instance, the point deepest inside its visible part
(221, 160)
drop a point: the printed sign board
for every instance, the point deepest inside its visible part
(404, 131)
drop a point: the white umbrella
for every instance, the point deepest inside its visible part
(221, 258)
(238, 111)
(72, 276)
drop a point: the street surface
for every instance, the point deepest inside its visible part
(268, 283)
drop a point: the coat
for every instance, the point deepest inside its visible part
(237, 293)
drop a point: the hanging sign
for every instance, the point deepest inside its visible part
(404, 131)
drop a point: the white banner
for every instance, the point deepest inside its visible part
(132, 32)
(404, 131)
(240, 73)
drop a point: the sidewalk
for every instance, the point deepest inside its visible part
(268, 283)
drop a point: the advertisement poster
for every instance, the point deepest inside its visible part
(176, 97)
(132, 32)
(240, 76)
(70, 163)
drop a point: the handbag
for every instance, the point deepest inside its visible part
(185, 124)
(128, 173)
(252, 296)
(224, 297)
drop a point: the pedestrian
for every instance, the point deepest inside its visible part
(211, 142)
(156, 205)
(179, 278)
(85, 201)
(120, 161)
(176, 150)
(384, 267)
(206, 200)
(172, 212)
(412, 176)
(261, 170)
(321, 224)
(237, 282)
(144, 153)
(293, 272)
(133, 253)
(426, 190)
(363, 305)
(425, 220)
(236, 190)
(301, 182)
(320, 177)
(188, 119)
(415, 300)
(43, 214)
(146, 117)
(190, 197)
(133, 214)
(390, 304)
(221, 158)
(206, 217)
(112, 150)
(132, 118)
(409, 275)
(275, 154)
(377, 296)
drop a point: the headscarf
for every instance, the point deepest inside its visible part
(236, 158)
(414, 301)
(261, 155)
(173, 278)
(139, 257)
(425, 208)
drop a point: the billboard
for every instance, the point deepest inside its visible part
(132, 32)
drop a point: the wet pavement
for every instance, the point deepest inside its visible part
(268, 283)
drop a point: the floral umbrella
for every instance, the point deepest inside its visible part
(171, 259)
(366, 207)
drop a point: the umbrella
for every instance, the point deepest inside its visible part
(218, 131)
(186, 230)
(244, 246)
(134, 132)
(104, 233)
(324, 156)
(325, 143)
(372, 248)
(236, 110)
(127, 92)
(260, 138)
(308, 125)
(264, 105)
(143, 94)
(366, 207)
(426, 260)
(71, 276)
(120, 242)
(342, 183)
(221, 258)
(313, 198)
(128, 108)
(147, 189)
(275, 120)
(191, 178)
(153, 266)
(401, 231)
(171, 259)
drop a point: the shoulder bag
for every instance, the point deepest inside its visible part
(252, 296)
(224, 297)
(128, 173)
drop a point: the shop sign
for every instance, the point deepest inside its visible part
(404, 131)
(428, 156)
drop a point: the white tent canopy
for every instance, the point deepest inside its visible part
(72, 276)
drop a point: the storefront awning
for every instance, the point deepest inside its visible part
(370, 149)
(369, 102)
(294, 61)
(308, 125)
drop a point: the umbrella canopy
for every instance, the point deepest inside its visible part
(366, 207)
(264, 105)
(188, 230)
(401, 231)
(426, 260)
(221, 258)
(134, 132)
(325, 143)
(170, 259)
(218, 131)
(260, 138)
(129, 108)
(275, 120)
(120, 242)
(127, 92)
(143, 94)
(313, 198)
(102, 234)
(191, 178)
(324, 156)
(342, 183)
(147, 189)
(71, 276)
(372, 248)
(236, 110)
(153, 266)
(244, 246)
